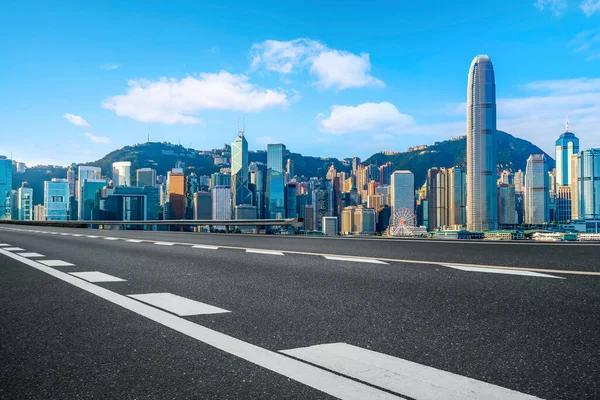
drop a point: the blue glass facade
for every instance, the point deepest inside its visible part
(275, 153)
(589, 184)
(567, 144)
(5, 187)
(275, 195)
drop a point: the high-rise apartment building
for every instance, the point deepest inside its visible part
(25, 202)
(122, 173)
(355, 164)
(402, 191)
(145, 177)
(348, 221)
(365, 220)
(239, 171)
(6, 177)
(507, 207)
(56, 200)
(482, 192)
(176, 194)
(202, 205)
(275, 154)
(567, 144)
(39, 213)
(537, 199)
(588, 182)
(84, 174)
(221, 203)
(71, 180)
(519, 181)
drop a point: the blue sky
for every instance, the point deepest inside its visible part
(327, 78)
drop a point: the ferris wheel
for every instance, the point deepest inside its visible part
(402, 223)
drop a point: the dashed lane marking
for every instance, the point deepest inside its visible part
(401, 376)
(164, 243)
(353, 259)
(134, 241)
(110, 238)
(13, 249)
(501, 271)
(177, 305)
(31, 255)
(205, 246)
(271, 252)
(96, 276)
(93, 236)
(56, 263)
(4, 245)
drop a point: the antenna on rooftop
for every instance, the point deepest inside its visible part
(567, 123)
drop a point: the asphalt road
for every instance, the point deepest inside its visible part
(389, 319)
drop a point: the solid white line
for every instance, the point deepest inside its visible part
(271, 252)
(56, 263)
(31, 255)
(133, 241)
(205, 246)
(13, 249)
(309, 375)
(362, 260)
(177, 304)
(96, 276)
(164, 243)
(502, 271)
(401, 376)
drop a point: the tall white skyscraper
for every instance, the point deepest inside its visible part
(122, 173)
(537, 199)
(221, 202)
(402, 190)
(239, 171)
(84, 174)
(482, 193)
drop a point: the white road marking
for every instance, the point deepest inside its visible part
(56, 263)
(133, 241)
(93, 236)
(77, 234)
(205, 246)
(177, 305)
(401, 376)
(65, 234)
(4, 245)
(164, 243)
(353, 259)
(13, 249)
(53, 233)
(327, 382)
(31, 255)
(271, 252)
(501, 271)
(96, 276)
(110, 238)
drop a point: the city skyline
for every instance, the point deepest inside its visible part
(312, 90)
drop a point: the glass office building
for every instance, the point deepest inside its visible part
(5, 187)
(56, 200)
(537, 198)
(275, 195)
(567, 144)
(275, 154)
(588, 183)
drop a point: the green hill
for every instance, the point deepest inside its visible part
(512, 153)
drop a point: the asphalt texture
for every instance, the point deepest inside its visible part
(535, 335)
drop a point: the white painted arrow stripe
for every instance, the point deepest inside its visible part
(501, 271)
(401, 376)
(353, 259)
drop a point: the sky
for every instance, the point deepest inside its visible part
(326, 78)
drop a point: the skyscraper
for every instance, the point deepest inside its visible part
(5, 187)
(402, 190)
(176, 194)
(567, 144)
(482, 192)
(56, 200)
(588, 183)
(71, 180)
(84, 174)
(239, 171)
(145, 177)
(25, 202)
(275, 195)
(122, 173)
(537, 199)
(202, 205)
(221, 203)
(275, 154)
(507, 207)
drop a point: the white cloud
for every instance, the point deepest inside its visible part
(76, 120)
(332, 68)
(557, 7)
(367, 117)
(109, 67)
(97, 139)
(587, 43)
(172, 101)
(590, 7)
